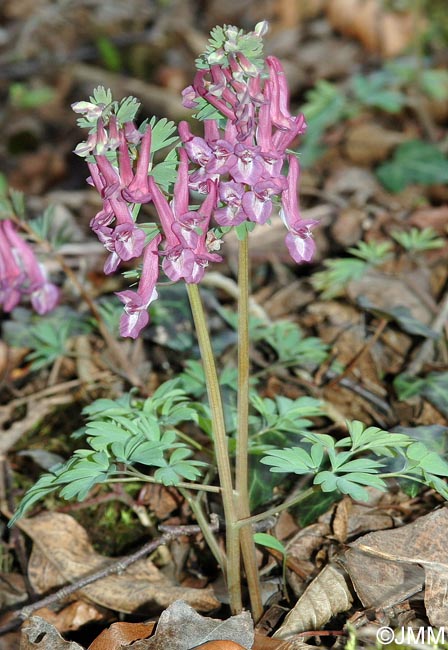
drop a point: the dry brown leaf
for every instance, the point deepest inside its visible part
(341, 518)
(72, 617)
(384, 32)
(12, 589)
(305, 544)
(41, 635)
(386, 291)
(369, 143)
(62, 553)
(181, 628)
(385, 566)
(435, 218)
(347, 228)
(120, 635)
(325, 597)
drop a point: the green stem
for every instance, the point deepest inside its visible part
(205, 527)
(232, 572)
(276, 509)
(242, 465)
(139, 476)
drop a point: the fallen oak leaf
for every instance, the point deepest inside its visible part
(120, 635)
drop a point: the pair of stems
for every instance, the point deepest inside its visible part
(240, 547)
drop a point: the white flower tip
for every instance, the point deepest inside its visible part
(261, 28)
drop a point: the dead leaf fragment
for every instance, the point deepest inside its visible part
(38, 633)
(62, 553)
(385, 566)
(72, 617)
(325, 597)
(369, 143)
(181, 628)
(120, 635)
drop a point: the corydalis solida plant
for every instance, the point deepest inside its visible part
(241, 170)
(238, 167)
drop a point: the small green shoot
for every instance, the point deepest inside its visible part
(416, 162)
(417, 240)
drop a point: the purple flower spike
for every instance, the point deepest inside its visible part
(165, 213)
(136, 303)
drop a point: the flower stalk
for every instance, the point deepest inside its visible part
(242, 444)
(232, 569)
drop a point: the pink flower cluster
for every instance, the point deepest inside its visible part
(238, 166)
(21, 274)
(247, 160)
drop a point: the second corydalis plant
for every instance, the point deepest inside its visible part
(239, 166)
(21, 274)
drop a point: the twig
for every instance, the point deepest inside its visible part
(115, 567)
(63, 387)
(425, 352)
(365, 348)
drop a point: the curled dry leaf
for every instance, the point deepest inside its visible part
(325, 597)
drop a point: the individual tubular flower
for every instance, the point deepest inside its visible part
(21, 274)
(178, 257)
(299, 239)
(136, 303)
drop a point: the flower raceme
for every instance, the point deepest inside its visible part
(238, 167)
(21, 274)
